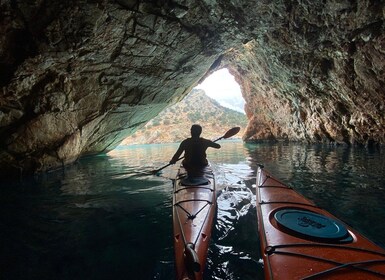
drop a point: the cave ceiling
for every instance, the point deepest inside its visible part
(77, 77)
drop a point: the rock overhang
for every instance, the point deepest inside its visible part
(92, 73)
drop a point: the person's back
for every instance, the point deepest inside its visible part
(195, 152)
(194, 149)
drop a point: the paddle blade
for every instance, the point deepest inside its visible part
(191, 258)
(231, 132)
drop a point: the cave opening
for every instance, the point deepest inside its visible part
(216, 104)
(222, 87)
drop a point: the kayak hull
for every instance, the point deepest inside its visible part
(194, 208)
(301, 241)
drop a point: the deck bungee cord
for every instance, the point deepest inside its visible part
(194, 202)
(189, 215)
(353, 265)
(300, 240)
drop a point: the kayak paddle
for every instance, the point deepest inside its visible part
(228, 134)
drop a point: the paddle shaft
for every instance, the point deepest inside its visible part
(157, 170)
(229, 133)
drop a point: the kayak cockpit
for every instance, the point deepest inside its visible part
(194, 181)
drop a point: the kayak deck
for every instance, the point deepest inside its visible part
(194, 206)
(301, 241)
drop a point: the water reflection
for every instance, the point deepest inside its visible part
(235, 251)
(349, 182)
(105, 217)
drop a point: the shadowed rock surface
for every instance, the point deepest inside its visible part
(77, 77)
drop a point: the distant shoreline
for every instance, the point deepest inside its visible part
(239, 139)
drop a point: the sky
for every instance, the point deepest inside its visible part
(222, 87)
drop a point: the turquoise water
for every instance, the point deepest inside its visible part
(106, 218)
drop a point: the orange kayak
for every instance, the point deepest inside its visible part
(194, 208)
(301, 241)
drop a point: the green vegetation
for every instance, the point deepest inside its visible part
(176, 120)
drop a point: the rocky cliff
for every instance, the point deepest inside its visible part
(317, 73)
(173, 124)
(77, 77)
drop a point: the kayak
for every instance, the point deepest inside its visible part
(194, 208)
(302, 241)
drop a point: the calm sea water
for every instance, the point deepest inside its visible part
(105, 218)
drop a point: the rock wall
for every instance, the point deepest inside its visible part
(77, 77)
(317, 73)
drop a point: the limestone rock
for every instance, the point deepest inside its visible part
(317, 74)
(77, 77)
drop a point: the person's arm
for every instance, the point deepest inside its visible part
(212, 144)
(178, 153)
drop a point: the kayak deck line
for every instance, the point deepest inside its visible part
(198, 235)
(194, 201)
(191, 200)
(272, 250)
(291, 251)
(350, 265)
(273, 247)
(261, 202)
(192, 187)
(293, 203)
(281, 185)
(189, 215)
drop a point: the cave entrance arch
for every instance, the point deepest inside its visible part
(216, 103)
(222, 86)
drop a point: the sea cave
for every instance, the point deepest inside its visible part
(78, 77)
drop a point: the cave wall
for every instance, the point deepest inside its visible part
(77, 77)
(316, 74)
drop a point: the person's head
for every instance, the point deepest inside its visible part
(196, 130)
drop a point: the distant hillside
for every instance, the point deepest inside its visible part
(173, 124)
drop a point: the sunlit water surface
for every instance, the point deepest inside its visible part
(106, 218)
